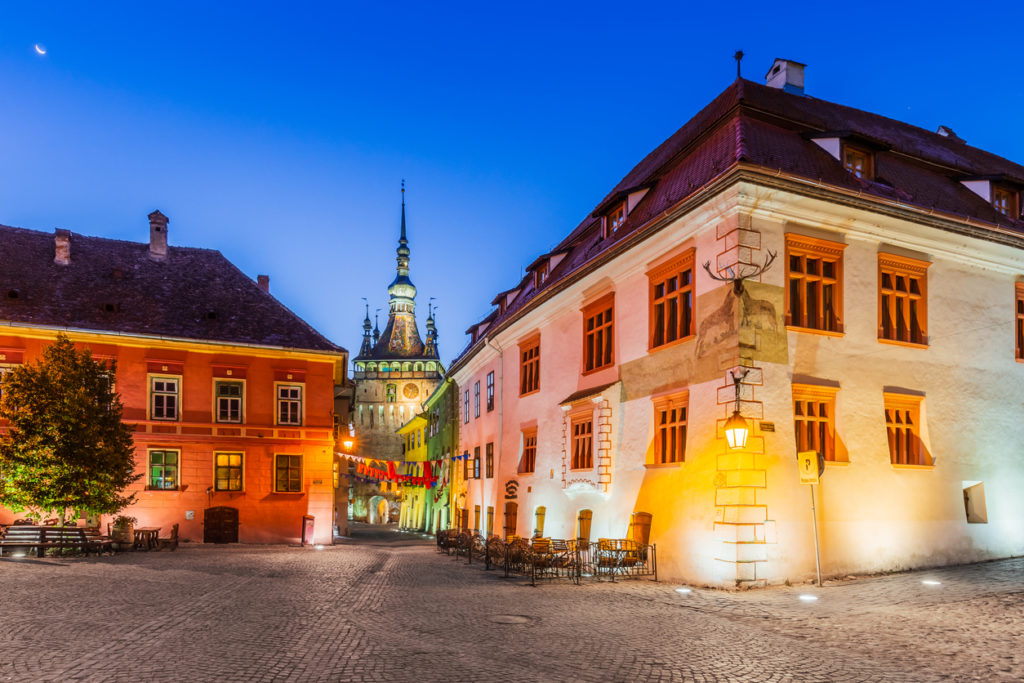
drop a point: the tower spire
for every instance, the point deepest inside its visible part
(403, 240)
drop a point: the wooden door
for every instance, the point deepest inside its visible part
(583, 525)
(464, 519)
(511, 512)
(220, 525)
(642, 527)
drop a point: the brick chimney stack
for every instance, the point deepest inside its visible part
(158, 236)
(62, 240)
(264, 282)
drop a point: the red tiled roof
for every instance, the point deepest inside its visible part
(768, 127)
(113, 286)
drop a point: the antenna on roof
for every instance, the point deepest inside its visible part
(739, 59)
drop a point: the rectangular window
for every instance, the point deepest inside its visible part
(903, 427)
(476, 462)
(465, 409)
(614, 219)
(476, 518)
(597, 334)
(229, 401)
(490, 461)
(163, 398)
(814, 277)
(476, 399)
(288, 473)
(670, 428)
(858, 162)
(228, 472)
(902, 299)
(289, 404)
(490, 391)
(1005, 202)
(814, 419)
(529, 459)
(583, 443)
(671, 300)
(1019, 325)
(490, 521)
(163, 470)
(529, 367)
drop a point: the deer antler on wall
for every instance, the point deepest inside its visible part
(744, 272)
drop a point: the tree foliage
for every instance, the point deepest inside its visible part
(66, 447)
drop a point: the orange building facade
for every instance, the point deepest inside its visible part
(234, 438)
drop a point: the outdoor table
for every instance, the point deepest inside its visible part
(146, 537)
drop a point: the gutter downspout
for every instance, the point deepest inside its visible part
(501, 415)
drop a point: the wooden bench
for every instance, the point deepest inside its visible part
(46, 537)
(171, 542)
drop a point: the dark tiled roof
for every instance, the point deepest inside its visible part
(762, 126)
(113, 285)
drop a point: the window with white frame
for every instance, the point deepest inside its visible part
(229, 401)
(289, 404)
(164, 395)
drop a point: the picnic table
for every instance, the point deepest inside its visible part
(147, 537)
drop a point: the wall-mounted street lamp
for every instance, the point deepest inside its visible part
(736, 427)
(348, 444)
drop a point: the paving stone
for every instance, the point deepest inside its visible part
(386, 606)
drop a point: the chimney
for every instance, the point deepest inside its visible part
(786, 75)
(62, 239)
(157, 236)
(264, 282)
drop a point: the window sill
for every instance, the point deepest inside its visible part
(674, 342)
(526, 474)
(663, 465)
(288, 493)
(595, 370)
(153, 488)
(911, 467)
(537, 390)
(837, 463)
(224, 491)
(896, 342)
(581, 469)
(814, 330)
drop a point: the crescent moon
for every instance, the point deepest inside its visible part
(40, 49)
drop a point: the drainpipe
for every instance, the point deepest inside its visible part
(501, 414)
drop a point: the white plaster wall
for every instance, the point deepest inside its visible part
(872, 516)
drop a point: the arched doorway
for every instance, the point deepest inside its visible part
(583, 525)
(378, 513)
(511, 513)
(220, 525)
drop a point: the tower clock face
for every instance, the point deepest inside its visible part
(411, 390)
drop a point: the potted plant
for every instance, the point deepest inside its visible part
(123, 532)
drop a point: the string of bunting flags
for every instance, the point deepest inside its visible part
(367, 472)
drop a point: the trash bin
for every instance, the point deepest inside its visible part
(307, 529)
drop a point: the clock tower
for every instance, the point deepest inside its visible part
(396, 370)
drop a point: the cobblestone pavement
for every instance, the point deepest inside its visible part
(385, 606)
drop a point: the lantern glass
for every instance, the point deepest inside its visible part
(736, 430)
(348, 443)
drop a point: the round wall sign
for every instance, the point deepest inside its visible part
(411, 390)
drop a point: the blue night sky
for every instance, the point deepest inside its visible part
(281, 137)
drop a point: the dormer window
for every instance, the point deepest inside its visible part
(858, 161)
(540, 274)
(1005, 201)
(614, 219)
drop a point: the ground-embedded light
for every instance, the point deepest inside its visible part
(807, 597)
(931, 582)
(683, 590)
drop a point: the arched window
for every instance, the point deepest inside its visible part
(431, 366)
(371, 367)
(538, 525)
(418, 367)
(391, 393)
(407, 367)
(383, 367)
(360, 367)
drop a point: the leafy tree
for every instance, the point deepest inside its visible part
(66, 448)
